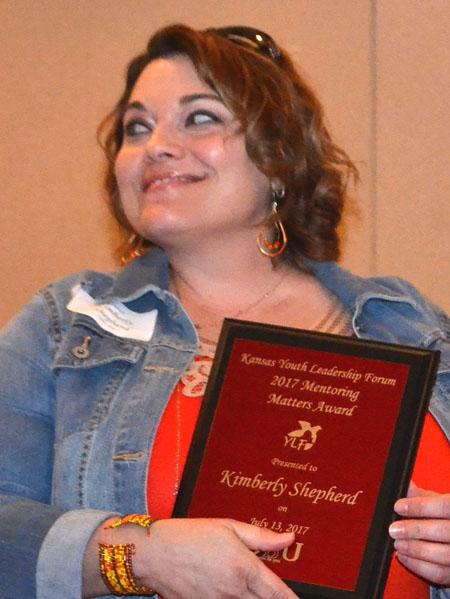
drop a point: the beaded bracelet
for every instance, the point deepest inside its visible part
(107, 559)
(117, 570)
(139, 519)
(116, 560)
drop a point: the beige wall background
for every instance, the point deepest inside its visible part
(382, 69)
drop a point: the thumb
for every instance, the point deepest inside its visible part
(415, 491)
(404, 505)
(256, 537)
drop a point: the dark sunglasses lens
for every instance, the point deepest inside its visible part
(251, 38)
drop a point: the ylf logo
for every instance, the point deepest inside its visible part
(302, 438)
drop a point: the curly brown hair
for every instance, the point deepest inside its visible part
(284, 129)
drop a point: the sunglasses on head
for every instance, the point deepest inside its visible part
(251, 38)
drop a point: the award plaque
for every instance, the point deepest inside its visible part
(314, 434)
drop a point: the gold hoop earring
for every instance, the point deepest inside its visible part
(135, 249)
(272, 240)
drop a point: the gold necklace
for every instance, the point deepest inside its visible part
(237, 314)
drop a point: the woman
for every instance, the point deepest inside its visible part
(221, 167)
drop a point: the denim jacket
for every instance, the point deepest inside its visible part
(77, 428)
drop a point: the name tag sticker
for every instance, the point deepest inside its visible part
(114, 317)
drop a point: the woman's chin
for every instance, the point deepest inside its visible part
(168, 232)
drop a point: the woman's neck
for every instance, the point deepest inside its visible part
(214, 284)
(224, 280)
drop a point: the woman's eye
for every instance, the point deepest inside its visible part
(202, 118)
(135, 128)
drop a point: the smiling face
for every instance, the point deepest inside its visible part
(183, 170)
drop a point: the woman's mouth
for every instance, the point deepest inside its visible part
(164, 182)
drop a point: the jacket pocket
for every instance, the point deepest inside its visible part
(86, 346)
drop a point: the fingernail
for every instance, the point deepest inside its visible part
(400, 545)
(396, 530)
(402, 558)
(401, 507)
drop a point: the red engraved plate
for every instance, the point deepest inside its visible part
(299, 442)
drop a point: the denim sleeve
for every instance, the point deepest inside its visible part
(440, 593)
(33, 533)
(23, 526)
(59, 569)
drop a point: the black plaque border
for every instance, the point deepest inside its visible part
(399, 464)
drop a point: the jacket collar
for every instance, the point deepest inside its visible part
(353, 289)
(146, 273)
(386, 309)
(152, 269)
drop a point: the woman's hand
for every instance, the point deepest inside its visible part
(210, 558)
(422, 538)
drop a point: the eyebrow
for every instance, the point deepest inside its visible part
(183, 101)
(193, 97)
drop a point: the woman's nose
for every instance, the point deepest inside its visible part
(164, 144)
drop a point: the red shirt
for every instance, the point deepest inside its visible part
(430, 472)
(174, 438)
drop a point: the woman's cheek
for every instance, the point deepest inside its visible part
(210, 149)
(127, 170)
